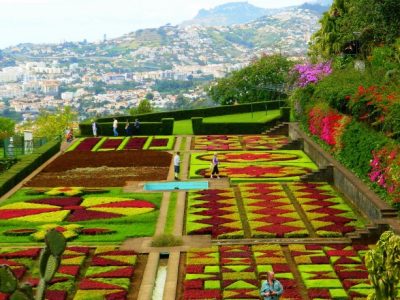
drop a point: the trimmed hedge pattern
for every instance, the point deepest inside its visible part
(26, 166)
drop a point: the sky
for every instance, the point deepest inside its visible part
(54, 21)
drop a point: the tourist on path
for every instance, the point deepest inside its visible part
(271, 289)
(214, 165)
(177, 161)
(94, 128)
(128, 130)
(137, 126)
(115, 127)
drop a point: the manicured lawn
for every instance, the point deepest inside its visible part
(185, 126)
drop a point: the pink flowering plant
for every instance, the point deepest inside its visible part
(385, 170)
(311, 73)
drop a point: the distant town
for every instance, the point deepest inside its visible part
(109, 77)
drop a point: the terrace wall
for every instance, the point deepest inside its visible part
(202, 112)
(351, 186)
(165, 127)
(200, 127)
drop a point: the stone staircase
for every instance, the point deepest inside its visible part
(293, 145)
(324, 174)
(370, 233)
(279, 129)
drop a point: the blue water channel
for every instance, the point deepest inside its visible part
(176, 185)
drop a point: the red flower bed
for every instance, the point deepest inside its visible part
(159, 142)
(111, 143)
(87, 144)
(202, 294)
(136, 143)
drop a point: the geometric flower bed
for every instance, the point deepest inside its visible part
(108, 276)
(234, 142)
(217, 142)
(243, 157)
(123, 143)
(213, 212)
(327, 212)
(234, 272)
(24, 217)
(252, 172)
(333, 271)
(270, 212)
(264, 142)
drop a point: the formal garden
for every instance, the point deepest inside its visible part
(309, 184)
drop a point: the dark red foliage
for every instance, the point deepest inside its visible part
(159, 142)
(200, 294)
(111, 143)
(87, 144)
(193, 284)
(56, 295)
(136, 143)
(194, 269)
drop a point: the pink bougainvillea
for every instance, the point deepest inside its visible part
(311, 73)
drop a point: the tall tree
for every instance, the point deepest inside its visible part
(262, 80)
(51, 124)
(7, 127)
(354, 24)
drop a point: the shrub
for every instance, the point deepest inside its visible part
(166, 240)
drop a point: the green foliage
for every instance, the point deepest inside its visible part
(6, 127)
(368, 22)
(166, 240)
(383, 264)
(173, 86)
(51, 124)
(358, 142)
(144, 107)
(48, 266)
(26, 165)
(254, 82)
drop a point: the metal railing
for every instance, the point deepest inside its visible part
(16, 146)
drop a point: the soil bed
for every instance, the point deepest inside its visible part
(108, 169)
(135, 158)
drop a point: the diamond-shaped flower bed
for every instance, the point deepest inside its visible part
(234, 272)
(213, 212)
(265, 142)
(270, 212)
(217, 143)
(327, 211)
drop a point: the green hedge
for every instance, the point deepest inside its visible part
(200, 127)
(27, 165)
(202, 112)
(165, 127)
(358, 142)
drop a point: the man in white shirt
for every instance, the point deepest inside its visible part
(115, 127)
(177, 161)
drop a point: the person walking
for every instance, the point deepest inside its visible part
(214, 165)
(177, 161)
(115, 127)
(94, 128)
(271, 289)
(137, 126)
(128, 130)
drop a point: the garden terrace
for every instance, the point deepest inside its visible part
(258, 217)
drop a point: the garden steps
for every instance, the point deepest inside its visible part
(370, 233)
(324, 174)
(293, 145)
(279, 129)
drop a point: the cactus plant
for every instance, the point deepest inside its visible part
(50, 259)
(383, 264)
